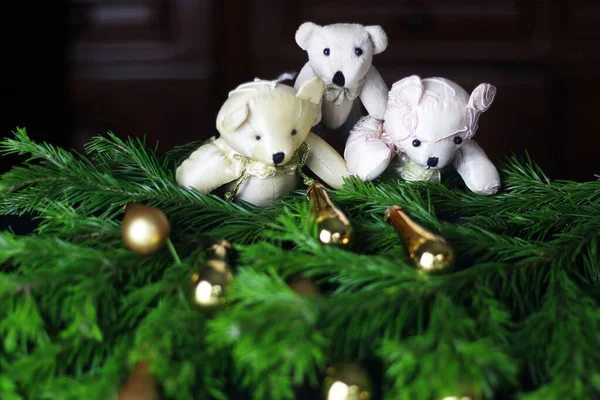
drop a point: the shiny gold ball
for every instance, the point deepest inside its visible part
(145, 229)
(304, 286)
(464, 396)
(458, 398)
(140, 384)
(209, 284)
(347, 382)
(467, 392)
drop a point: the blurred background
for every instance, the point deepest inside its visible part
(162, 68)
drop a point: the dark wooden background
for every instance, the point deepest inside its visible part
(164, 67)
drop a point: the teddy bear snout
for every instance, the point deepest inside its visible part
(278, 157)
(432, 161)
(339, 78)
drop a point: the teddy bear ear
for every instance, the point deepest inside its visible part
(312, 91)
(482, 97)
(407, 91)
(305, 33)
(233, 120)
(378, 38)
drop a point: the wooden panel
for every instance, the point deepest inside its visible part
(146, 31)
(146, 67)
(418, 30)
(127, 21)
(172, 112)
(577, 120)
(577, 31)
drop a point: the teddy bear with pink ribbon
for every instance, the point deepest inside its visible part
(428, 125)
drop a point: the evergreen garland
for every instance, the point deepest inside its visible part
(518, 318)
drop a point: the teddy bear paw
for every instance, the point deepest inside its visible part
(491, 189)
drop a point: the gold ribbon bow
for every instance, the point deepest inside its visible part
(336, 94)
(257, 169)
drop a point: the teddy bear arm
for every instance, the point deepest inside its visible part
(478, 172)
(325, 162)
(366, 154)
(374, 94)
(205, 169)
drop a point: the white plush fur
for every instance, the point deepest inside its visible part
(257, 121)
(342, 40)
(433, 112)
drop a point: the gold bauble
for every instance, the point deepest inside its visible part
(209, 284)
(426, 251)
(140, 385)
(459, 398)
(334, 227)
(347, 382)
(144, 229)
(467, 392)
(304, 286)
(223, 250)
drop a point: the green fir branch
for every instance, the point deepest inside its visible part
(78, 308)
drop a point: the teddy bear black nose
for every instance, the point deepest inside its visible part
(432, 161)
(339, 79)
(278, 157)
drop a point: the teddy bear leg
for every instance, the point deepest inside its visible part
(476, 169)
(335, 116)
(337, 138)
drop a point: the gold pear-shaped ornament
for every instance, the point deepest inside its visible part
(333, 225)
(210, 281)
(426, 251)
(347, 381)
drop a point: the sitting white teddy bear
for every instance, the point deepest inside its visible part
(265, 141)
(428, 124)
(341, 55)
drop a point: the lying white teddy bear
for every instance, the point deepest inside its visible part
(428, 124)
(341, 55)
(265, 141)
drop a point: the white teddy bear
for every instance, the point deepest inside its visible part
(341, 55)
(428, 124)
(265, 141)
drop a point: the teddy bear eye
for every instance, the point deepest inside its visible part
(458, 140)
(358, 51)
(416, 143)
(257, 137)
(294, 132)
(326, 51)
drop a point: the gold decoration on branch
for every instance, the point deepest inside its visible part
(347, 382)
(304, 286)
(144, 229)
(334, 226)
(465, 391)
(426, 251)
(140, 385)
(211, 279)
